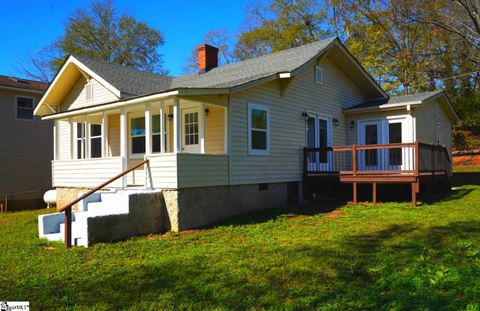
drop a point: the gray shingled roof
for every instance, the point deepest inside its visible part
(132, 82)
(420, 97)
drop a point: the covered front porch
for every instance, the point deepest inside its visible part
(180, 136)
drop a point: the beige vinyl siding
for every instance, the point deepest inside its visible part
(287, 126)
(214, 130)
(26, 148)
(114, 135)
(163, 171)
(86, 172)
(77, 96)
(202, 170)
(136, 177)
(63, 140)
(426, 123)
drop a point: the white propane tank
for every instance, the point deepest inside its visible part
(50, 197)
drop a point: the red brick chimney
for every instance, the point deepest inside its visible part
(207, 57)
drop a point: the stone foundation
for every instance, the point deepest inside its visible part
(199, 207)
(67, 195)
(191, 208)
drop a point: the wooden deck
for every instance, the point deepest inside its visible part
(406, 163)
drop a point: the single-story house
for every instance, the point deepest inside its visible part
(25, 145)
(228, 139)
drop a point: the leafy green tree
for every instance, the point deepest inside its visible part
(280, 25)
(101, 31)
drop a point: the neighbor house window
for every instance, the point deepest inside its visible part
(137, 134)
(95, 141)
(24, 108)
(318, 75)
(80, 141)
(258, 129)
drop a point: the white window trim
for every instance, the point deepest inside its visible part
(82, 139)
(318, 68)
(134, 115)
(16, 108)
(252, 106)
(90, 137)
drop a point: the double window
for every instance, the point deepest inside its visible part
(94, 141)
(138, 133)
(24, 107)
(258, 129)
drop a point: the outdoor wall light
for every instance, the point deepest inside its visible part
(170, 116)
(305, 116)
(352, 124)
(335, 122)
(206, 111)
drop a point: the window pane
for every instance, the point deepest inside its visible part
(259, 140)
(156, 124)
(24, 102)
(259, 119)
(79, 130)
(322, 132)
(95, 130)
(155, 143)
(371, 138)
(25, 113)
(79, 149)
(138, 144)
(96, 147)
(137, 126)
(395, 136)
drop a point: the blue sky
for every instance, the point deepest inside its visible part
(36, 24)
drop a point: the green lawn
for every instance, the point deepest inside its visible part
(466, 169)
(388, 257)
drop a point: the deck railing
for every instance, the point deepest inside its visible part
(399, 158)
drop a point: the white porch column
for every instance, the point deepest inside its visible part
(104, 135)
(148, 130)
(162, 127)
(225, 129)
(72, 140)
(202, 128)
(123, 143)
(86, 144)
(177, 147)
(55, 139)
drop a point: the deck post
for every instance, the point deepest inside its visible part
(354, 159)
(86, 135)
(104, 135)
(374, 193)
(305, 161)
(354, 184)
(68, 227)
(202, 127)
(414, 194)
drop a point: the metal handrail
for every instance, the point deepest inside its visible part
(68, 208)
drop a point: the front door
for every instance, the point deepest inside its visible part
(191, 130)
(370, 134)
(319, 136)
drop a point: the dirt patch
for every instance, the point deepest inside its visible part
(335, 214)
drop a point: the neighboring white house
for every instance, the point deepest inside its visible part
(227, 139)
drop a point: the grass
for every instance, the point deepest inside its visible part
(466, 169)
(387, 257)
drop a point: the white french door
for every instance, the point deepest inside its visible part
(386, 131)
(191, 130)
(370, 134)
(319, 135)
